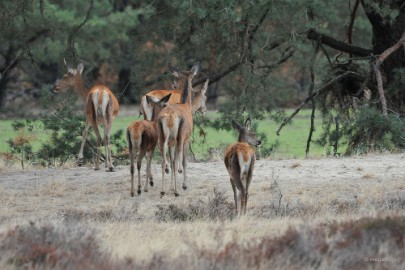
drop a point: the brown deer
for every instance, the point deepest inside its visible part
(179, 83)
(175, 124)
(239, 161)
(101, 107)
(142, 138)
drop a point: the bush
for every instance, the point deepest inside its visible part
(64, 124)
(68, 246)
(217, 208)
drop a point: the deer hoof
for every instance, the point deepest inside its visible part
(139, 192)
(145, 190)
(176, 194)
(180, 171)
(132, 194)
(111, 169)
(167, 170)
(96, 169)
(151, 183)
(162, 193)
(184, 187)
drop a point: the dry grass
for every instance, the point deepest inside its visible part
(322, 214)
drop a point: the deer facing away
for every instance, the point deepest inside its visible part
(142, 138)
(179, 83)
(101, 107)
(175, 125)
(239, 161)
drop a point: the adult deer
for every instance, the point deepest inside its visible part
(175, 124)
(142, 138)
(179, 83)
(239, 161)
(101, 107)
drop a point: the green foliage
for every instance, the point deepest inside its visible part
(370, 131)
(20, 145)
(63, 126)
(364, 130)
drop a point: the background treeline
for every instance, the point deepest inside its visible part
(259, 55)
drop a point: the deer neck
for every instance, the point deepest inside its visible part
(196, 102)
(155, 113)
(186, 93)
(80, 87)
(242, 137)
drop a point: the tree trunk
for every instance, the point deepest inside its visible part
(386, 32)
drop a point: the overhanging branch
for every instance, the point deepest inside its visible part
(338, 45)
(325, 87)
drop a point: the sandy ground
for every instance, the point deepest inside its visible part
(49, 194)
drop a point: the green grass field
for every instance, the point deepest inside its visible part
(292, 139)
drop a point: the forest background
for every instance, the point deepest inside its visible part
(344, 59)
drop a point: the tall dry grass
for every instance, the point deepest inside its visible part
(306, 214)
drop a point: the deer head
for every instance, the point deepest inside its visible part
(200, 99)
(157, 105)
(246, 134)
(69, 80)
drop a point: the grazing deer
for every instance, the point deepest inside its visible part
(239, 161)
(175, 124)
(101, 107)
(142, 138)
(199, 93)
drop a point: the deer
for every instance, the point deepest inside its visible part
(239, 160)
(101, 107)
(199, 93)
(175, 125)
(142, 139)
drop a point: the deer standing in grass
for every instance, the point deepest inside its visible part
(142, 138)
(239, 161)
(179, 83)
(175, 125)
(101, 107)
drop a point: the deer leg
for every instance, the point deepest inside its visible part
(132, 158)
(149, 175)
(84, 138)
(185, 148)
(141, 154)
(107, 131)
(172, 160)
(164, 164)
(174, 171)
(235, 196)
(97, 132)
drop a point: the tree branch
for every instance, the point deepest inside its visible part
(284, 57)
(70, 47)
(338, 45)
(246, 45)
(376, 69)
(352, 18)
(347, 74)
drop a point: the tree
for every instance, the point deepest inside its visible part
(37, 35)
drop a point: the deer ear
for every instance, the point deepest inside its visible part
(205, 87)
(149, 100)
(195, 68)
(174, 70)
(235, 125)
(80, 68)
(248, 123)
(165, 99)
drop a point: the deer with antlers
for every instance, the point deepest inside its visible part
(239, 161)
(101, 107)
(179, 83)
(175, 125)
(142, 139)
